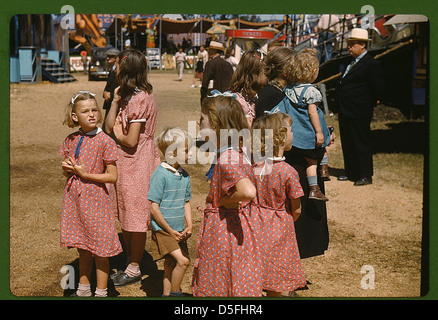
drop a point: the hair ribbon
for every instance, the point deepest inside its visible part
(79, 93)
(216, 93)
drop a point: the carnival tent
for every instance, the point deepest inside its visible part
(169, 26)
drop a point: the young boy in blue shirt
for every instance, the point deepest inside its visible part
(171, 220)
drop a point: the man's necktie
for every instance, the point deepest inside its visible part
(352, 63)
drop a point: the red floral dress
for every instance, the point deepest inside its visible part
(282, 263)
(136, 165)
(87, 216)
(228, 256)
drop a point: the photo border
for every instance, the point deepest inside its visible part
(427, 8)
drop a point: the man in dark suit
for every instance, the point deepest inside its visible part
(357, 93)
(217, 73)
(111, 83)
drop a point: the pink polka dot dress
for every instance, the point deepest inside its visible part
(248, 107)
(87, 216)
(228, 256)
(282, 263)
(136, 165)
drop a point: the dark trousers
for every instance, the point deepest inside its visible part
(356, 147)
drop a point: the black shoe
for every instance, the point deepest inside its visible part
(116, 274)
(124, 280)
(363, 181)
(342, 178)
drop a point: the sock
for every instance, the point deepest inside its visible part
(313, 180)
(324, 160)
(100, 292)
(84, 290)
(132, 270)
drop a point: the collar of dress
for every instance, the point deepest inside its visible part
(92, 132)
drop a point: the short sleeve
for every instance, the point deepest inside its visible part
(65, 148)
(188, 190)
(232, 169)
(312, 96)
(247, 107)
(110, 153)
(139, 107)
(156, 187)
(293, 186)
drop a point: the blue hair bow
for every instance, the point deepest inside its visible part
(216, 93)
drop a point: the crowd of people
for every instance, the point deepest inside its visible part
(265, 209)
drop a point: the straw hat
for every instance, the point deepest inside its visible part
(359, 34)
(216, 45)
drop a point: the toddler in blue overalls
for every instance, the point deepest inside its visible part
(311, 134)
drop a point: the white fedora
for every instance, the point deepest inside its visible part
(216, 45)
(359, 34)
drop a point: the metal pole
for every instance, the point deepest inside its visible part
(122, 31)
(115, 31)
(200, 32)
(161, 16)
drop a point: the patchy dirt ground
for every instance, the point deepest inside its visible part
(374, 230)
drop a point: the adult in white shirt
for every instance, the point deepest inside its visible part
(180, 58)
(204, 54)
(327, 28)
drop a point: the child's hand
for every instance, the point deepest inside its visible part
(67, 166)
(319, 139)
(176, 235)
(70, 165)
(226, 203)
(332, 139)
(118, 128)
(116, 97)
(187, 233)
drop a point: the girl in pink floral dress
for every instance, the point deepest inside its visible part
(248, 80)
(278, 198)
(228, 257)
(87, 217)
(132, 119)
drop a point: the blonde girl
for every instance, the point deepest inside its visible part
(87, 216)
(278, 199)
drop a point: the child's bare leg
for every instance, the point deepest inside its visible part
(135, 243)
(102, 269)
(273, 293)
(312, 165)
(85, 269)
(182, 262)
(169, 265)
